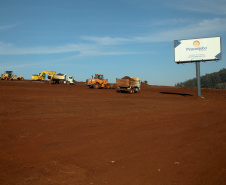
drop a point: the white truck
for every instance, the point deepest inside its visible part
(61, 79)
(128, 84)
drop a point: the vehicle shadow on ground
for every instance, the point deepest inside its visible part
(181, 94)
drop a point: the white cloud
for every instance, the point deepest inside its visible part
(205, 28)
(102, 45)
(217, 7)
(206, 6)
(78, 50)
(106, 40)
(5, 67)
(10, 49)
(5, 27)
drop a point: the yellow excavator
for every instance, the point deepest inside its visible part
(41, 76)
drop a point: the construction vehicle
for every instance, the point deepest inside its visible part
(70, 80)
(16, 77)
(128, 84)
(8, 75)
(145, 82)
(98, 82)
(61, 79)
(42, 75)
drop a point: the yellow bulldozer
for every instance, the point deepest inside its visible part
(42, 75)
(98, 82)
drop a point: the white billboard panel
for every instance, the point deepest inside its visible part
(201, 49)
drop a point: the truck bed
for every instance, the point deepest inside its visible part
(127, 82)
(57, 77)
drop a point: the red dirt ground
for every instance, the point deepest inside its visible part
(73, 135)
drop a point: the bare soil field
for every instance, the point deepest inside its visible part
(73, 135)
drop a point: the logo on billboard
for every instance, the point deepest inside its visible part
(196, 43)
(196, 47)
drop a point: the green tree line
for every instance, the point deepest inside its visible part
(215, 80)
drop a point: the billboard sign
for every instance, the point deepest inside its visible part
(197, 50)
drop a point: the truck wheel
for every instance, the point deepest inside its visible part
(96, 86)
(131, 91)
(137, 90)
(107, 86)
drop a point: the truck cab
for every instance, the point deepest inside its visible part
(70, 79)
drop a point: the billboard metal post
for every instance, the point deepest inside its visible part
(198, 79)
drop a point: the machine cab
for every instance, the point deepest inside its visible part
(99, 76)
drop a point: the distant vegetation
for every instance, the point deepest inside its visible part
(215, 80)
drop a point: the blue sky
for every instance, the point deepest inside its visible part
(115, 38)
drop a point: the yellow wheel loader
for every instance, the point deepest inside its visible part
(98, 82)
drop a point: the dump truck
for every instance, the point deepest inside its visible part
(42, 75)
(128, 84)
(61, 79)
(8, 75)
(98, 82)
